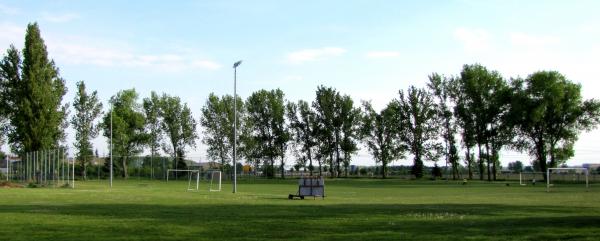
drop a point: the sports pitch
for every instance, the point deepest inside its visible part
(354, 209)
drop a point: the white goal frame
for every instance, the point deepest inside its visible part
(585, 170)
(197, 172)
(212, 177)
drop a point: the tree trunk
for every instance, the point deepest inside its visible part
(480, 162)
(174, 158)
(222, 165)
(469, 163)
(282, 169)
(494, 159)
(84, 171)
(125, 173)
(337, 155)
(552, 155)
(271, 171)
(345, 165)
(541, 156)
(319, 161)
(488, 160)
(331, 165)
(384, 169)
(310, 165)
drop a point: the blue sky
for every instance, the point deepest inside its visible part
(367, 49)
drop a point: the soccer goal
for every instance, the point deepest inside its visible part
(567, 170)
(215, 181)
(530, 177)
(192, 175)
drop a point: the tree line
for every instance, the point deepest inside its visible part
(465, 120)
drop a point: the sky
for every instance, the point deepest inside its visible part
(367, 49)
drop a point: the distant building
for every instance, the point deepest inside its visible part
(593, 167)
(204, 165)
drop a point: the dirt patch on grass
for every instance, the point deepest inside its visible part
(5, 184)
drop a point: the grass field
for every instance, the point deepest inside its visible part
(354, 209)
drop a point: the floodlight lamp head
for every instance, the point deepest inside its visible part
(236, 64)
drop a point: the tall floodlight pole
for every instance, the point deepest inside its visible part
(235, 65)
(111, 144)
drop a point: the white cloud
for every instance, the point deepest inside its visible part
(85, 52)
(306, 55)
(103, 53)
(59, 18)
(9, 10)
(529, 40)
(473, 40)
(382, 54)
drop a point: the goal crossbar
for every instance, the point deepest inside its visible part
(585, 170)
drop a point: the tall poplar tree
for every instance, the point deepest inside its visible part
(217, 121)
(179, 126)
(266, 116)
(418, 119)
(484, 100)
(302, 126)
(153, 128)
(380, 132)
(440, 87)
(326, 105)
(87, 109)
(350, 119)
(34, 91)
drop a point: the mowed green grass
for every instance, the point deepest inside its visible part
(354, 209)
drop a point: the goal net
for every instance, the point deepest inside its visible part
(193, 177)
(572, 174)
(215, 181)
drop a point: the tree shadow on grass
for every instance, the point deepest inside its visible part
(312, 221)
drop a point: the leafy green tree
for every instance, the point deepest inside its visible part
(381, 134)
(302, 125)
(179, 126)
(337, 122)
(10, 79)
(87, 109)
(217, 120)
(128, 127)
(326, 107)
(152, 114)
(418, 119)
(549, 112)
(484, 106)
(350, 118)
(441, 89)
(516, 166)
(265, 114)
(33, 92)
(465, 120)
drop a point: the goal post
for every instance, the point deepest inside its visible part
(585, 172)
(215, 179)
(190, 177)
